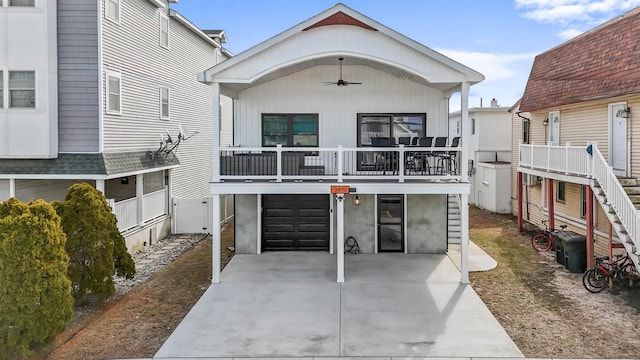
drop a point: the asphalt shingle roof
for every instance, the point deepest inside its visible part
(88, 164)
(601, 63)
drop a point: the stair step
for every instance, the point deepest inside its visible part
(631, 190)
(628, 181)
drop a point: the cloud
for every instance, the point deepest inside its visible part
(569, 33)
(564, 12)
(492, 66)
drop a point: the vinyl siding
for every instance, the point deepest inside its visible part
(132, 47)
(4, 189)
(49, 190)
(78, 77)
(305, 92)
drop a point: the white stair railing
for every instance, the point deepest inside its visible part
(617, 198)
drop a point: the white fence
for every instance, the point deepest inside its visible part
(569, 160)
(154, 204)
(127, 213)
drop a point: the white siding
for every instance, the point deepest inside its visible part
(132, 47)
(305, 92)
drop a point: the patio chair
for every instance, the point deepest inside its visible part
(404, 140)
(440, 141)
(425, 157)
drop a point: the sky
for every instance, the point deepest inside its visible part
(498, 38)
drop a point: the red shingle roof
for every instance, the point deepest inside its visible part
(601, 63)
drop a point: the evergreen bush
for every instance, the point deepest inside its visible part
(94, 244)
(35, 295)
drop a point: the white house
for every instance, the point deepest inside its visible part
(489, 155)
(102, 91)
(325, 114)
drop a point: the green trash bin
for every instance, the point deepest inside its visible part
(575, 251)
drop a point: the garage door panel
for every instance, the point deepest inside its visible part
(295, 222)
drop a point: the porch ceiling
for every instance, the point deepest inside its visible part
(333, 60)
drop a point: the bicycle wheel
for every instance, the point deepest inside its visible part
(541, 242)
(594, 280)
(629, 277)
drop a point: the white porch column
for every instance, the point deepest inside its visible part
(139, 198)
(100, 185)
(340, 237)
(215, 89)
(464, 132)
(464, 238)
(169, 186)
(12, 188)
(215, 238)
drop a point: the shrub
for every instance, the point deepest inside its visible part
(94, 244)
(35, 296)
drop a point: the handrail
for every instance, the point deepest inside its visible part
(617, 198)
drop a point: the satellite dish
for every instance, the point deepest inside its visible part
(340, 81)
(182, 133)
(169, 139)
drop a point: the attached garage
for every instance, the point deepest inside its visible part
(295, 222)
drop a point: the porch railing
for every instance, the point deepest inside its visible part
(154, 204)
(569, 160)
(340, 164)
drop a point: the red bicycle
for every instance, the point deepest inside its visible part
(543, 240)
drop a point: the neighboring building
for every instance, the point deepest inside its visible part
(580, 93)
(87, 90)
(489, 155)
(322, 105)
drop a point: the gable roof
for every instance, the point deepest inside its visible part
(601, 63)
(375, 45)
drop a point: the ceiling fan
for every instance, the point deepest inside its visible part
(340, 81)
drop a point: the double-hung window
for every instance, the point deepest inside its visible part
(583, 201)
(112, 10)
(22, 3)
(22, 89)
(164, 103)
(114, 92)
(561, 191)
(164, 31)
(297, 130)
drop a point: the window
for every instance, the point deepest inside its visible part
(525, 131)
(561, 191)
(22, 89)
(164, 103)
(1, 89)
(390, 125)
(583, 201)
(22, 3)
(112, 10)
(298, 130)
(164, 31)
(114, 98)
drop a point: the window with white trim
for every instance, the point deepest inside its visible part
(164, 103)
(112, 10)
(22, 89)
(22, 2)
(561, 191)
(583, 201)
(114, 92)
(164, 31)
(1, 89)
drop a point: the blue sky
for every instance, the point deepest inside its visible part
(498, 38)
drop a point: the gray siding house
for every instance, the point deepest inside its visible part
(114, 96)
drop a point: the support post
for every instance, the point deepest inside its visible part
(140, 198)
(519, 200)
(12, 188)
(217, 123)
(340, 237)
(464, 132)
(464, 239)
(100, 186)
(215, 237)
(550, 203)
(589, 219)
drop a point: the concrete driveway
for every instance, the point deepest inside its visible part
(289, 305)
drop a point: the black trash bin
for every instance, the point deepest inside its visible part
(559, 249)
(575, 251)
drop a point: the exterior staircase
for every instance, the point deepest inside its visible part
(632, 190)
(454, 229)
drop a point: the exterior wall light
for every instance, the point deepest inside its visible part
(625, 112)
(356, 200)
(545, 122)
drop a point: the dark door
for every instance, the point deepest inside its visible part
(390, 223)
(295, 222)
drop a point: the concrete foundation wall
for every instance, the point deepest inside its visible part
(426, 224)
(360, 221)
(139, 238)
(246, 224)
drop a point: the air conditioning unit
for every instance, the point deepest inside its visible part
(530, 180)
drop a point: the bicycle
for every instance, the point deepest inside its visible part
(543, 240)
(622, 270)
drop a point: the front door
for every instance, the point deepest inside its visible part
(391, 223)
(618, 143)
(554, 128)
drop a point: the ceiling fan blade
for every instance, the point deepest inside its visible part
(353, 83)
